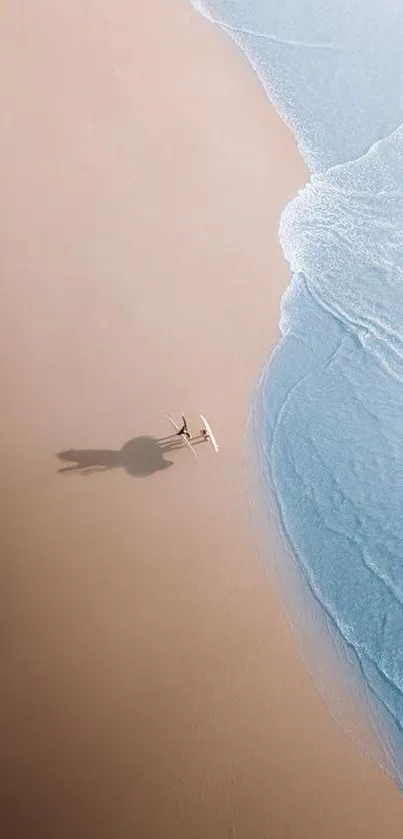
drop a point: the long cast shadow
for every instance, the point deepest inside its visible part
(139, 457)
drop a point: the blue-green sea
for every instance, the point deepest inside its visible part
(328, 410)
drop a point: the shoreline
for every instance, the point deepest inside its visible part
(153, 687)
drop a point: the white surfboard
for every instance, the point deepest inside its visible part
(182, 436)
(211, 436)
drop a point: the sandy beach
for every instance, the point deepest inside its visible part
(151, 683)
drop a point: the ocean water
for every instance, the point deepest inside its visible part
(327, 415)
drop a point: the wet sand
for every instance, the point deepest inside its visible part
(151, 685)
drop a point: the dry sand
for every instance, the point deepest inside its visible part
(151, 686)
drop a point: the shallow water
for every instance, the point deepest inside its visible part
(328, 412)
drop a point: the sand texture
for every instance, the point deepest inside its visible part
(151, 685)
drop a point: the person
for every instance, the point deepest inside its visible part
(204, 434)
(184, 429)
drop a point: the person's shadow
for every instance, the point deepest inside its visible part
(139, 457)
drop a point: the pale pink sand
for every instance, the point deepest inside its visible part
(151, 687)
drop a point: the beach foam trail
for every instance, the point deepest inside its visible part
(328, 411)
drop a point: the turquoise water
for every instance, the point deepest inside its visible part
(328, 412)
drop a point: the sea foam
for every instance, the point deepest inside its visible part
(328, 410)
